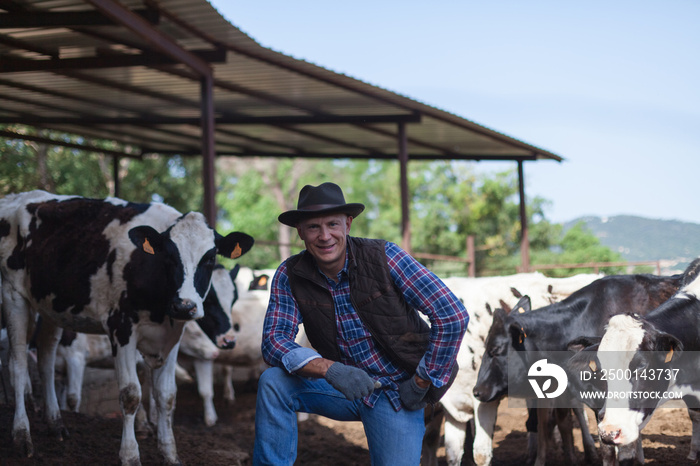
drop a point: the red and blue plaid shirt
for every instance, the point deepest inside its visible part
(421, 289)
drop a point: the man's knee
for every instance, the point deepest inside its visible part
(271, 376)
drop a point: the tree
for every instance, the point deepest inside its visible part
(579, 246)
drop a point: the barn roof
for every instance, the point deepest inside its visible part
(131, 72)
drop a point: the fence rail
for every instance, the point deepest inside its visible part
(596, 265)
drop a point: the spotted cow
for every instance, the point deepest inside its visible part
(482, 296)
(137, 272)
(658, 352)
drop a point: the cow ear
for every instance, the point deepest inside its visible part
(523, 305)
(584, 361)
(146, 239)
(668, 346)
(517, 335)
(233, 245)
(581, 343)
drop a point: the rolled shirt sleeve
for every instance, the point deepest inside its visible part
(281, 326)
(448, 317)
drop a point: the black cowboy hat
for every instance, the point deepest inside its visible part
(315, 201)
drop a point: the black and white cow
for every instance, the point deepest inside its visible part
(219, 327)
(137, 272)
(658, 351)
(553, 327)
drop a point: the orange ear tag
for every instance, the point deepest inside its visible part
(263, 281)
(237, 251)
(593, 366)
(669, 355)
(147, 247)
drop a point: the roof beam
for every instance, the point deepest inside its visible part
(233, 120)
(376, 155)
(37, 19)
(56, 142)
(10, 64)
(154, 37)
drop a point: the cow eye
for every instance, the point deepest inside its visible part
(209, 259)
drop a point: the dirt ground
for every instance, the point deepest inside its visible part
(322, 442)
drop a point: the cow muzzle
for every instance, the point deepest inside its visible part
(183, 309)
(226, 341)
(609, 437)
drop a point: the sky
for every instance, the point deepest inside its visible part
(611, 86)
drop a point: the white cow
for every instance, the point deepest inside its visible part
(137, 272)
(481, 296)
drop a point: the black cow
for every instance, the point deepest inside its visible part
(553, 327)
(137, 272)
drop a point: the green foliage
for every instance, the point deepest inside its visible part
(579, 246)
(174, 180)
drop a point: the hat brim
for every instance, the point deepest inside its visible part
(292, 217)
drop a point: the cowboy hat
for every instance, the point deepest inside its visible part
(316, 201)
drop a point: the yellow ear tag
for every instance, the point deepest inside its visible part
(237, 251)
(263, 281)
(593, 366)
(147, 247)
(521, 310)
(669, 355)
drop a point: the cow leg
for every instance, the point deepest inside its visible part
(566, 429)
(484, 425)
(695, 440)
(455, 436)
(47, 342)
(203, 369)
(129, 400)
(229, 392)
(434, 415)
(589, 448)
(17, 318)
(164, 393)
(544, 431)
(75, 373)
(531, 428)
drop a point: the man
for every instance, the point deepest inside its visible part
(374, 359)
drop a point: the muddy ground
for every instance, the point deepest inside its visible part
(95, 440)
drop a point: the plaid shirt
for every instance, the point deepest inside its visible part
(421, 289)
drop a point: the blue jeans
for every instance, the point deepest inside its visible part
(394, 438)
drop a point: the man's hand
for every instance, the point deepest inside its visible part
(412, 394)
(352, 382)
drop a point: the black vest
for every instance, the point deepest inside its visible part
(392, 322)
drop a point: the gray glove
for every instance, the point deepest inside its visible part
(412, 395)
(352, 382)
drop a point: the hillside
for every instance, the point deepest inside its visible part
(642, 239)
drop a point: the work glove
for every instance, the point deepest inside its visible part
(412, 396)
(352, 382)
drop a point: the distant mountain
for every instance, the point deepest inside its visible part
(643, 239)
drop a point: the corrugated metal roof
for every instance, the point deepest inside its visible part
(104, 81)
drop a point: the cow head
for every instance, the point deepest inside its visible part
(174, 268)
(216, 323)
(505, 334)
(635, 346)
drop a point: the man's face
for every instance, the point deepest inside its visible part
(325, 239)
